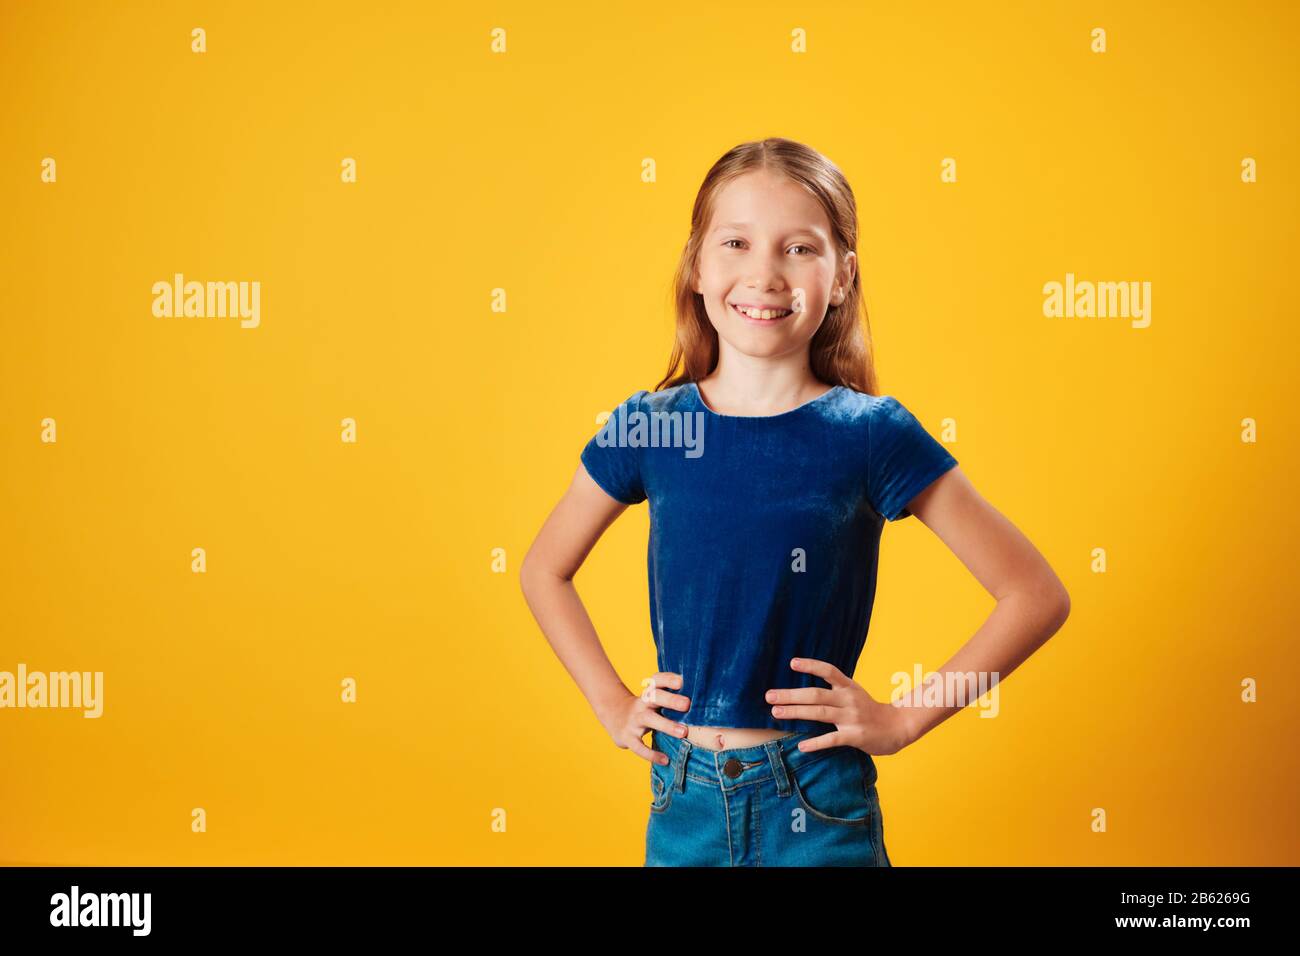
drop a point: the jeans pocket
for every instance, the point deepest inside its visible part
(878, 831)
(837, 788)
(661, 790)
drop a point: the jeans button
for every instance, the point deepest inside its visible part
(732, 768)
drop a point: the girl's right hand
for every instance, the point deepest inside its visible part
(633, 717)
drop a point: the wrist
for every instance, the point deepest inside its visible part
(607, 704)
(911, 724)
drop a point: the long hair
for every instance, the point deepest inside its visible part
(840, 352)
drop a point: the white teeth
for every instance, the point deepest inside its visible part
(763, 313)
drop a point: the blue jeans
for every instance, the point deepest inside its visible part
(768, 805)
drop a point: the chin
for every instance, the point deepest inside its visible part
(761, 346)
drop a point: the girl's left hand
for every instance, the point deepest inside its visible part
(860, 720)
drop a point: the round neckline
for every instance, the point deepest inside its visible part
(699, 397)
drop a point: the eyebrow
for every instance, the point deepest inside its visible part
(810, 230)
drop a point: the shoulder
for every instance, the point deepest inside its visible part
(664, 400)
(873, 407)
(856, 407)
(878, 420)
(643, 402)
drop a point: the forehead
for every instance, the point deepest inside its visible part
(762, 200)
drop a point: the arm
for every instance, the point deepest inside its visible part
(1032, 603)
(546, 578)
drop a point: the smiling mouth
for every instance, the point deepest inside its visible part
(762, 315)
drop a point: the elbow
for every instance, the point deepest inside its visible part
(533, 575)
(527, 574)
(1045, 600)
(1059, 605)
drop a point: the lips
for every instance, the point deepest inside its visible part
(759, 313)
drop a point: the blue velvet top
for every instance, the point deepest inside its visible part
(764, 534)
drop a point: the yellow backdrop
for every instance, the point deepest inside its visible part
(495, 277)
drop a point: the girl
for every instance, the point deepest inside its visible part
(770, 464)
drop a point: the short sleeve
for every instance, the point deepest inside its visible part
(903, 458)
(613, 462)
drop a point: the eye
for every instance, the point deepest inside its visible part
(809, 249)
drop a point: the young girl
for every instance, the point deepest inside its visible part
(770, 465)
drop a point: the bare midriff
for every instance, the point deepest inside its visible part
(729, 738)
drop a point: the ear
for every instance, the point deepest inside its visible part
(844, 278)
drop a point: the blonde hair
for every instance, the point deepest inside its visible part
(840, 351)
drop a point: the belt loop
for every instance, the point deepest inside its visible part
(777, 760)
(679, 771)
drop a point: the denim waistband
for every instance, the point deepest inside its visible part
(742, 766)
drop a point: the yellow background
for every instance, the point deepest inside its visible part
(521, 171)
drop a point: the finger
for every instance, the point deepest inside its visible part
(658, 721)
(663, 679)
(799, 695)
(827, 671)
(823, 713)
(654, 756)
(833, 739)
(662, 698)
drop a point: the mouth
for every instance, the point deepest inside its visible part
(760, 316)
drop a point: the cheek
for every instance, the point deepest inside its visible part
(814, 284)
(814, 299)
(717, 283)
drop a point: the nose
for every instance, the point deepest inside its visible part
(766, 274)
(766, 281)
